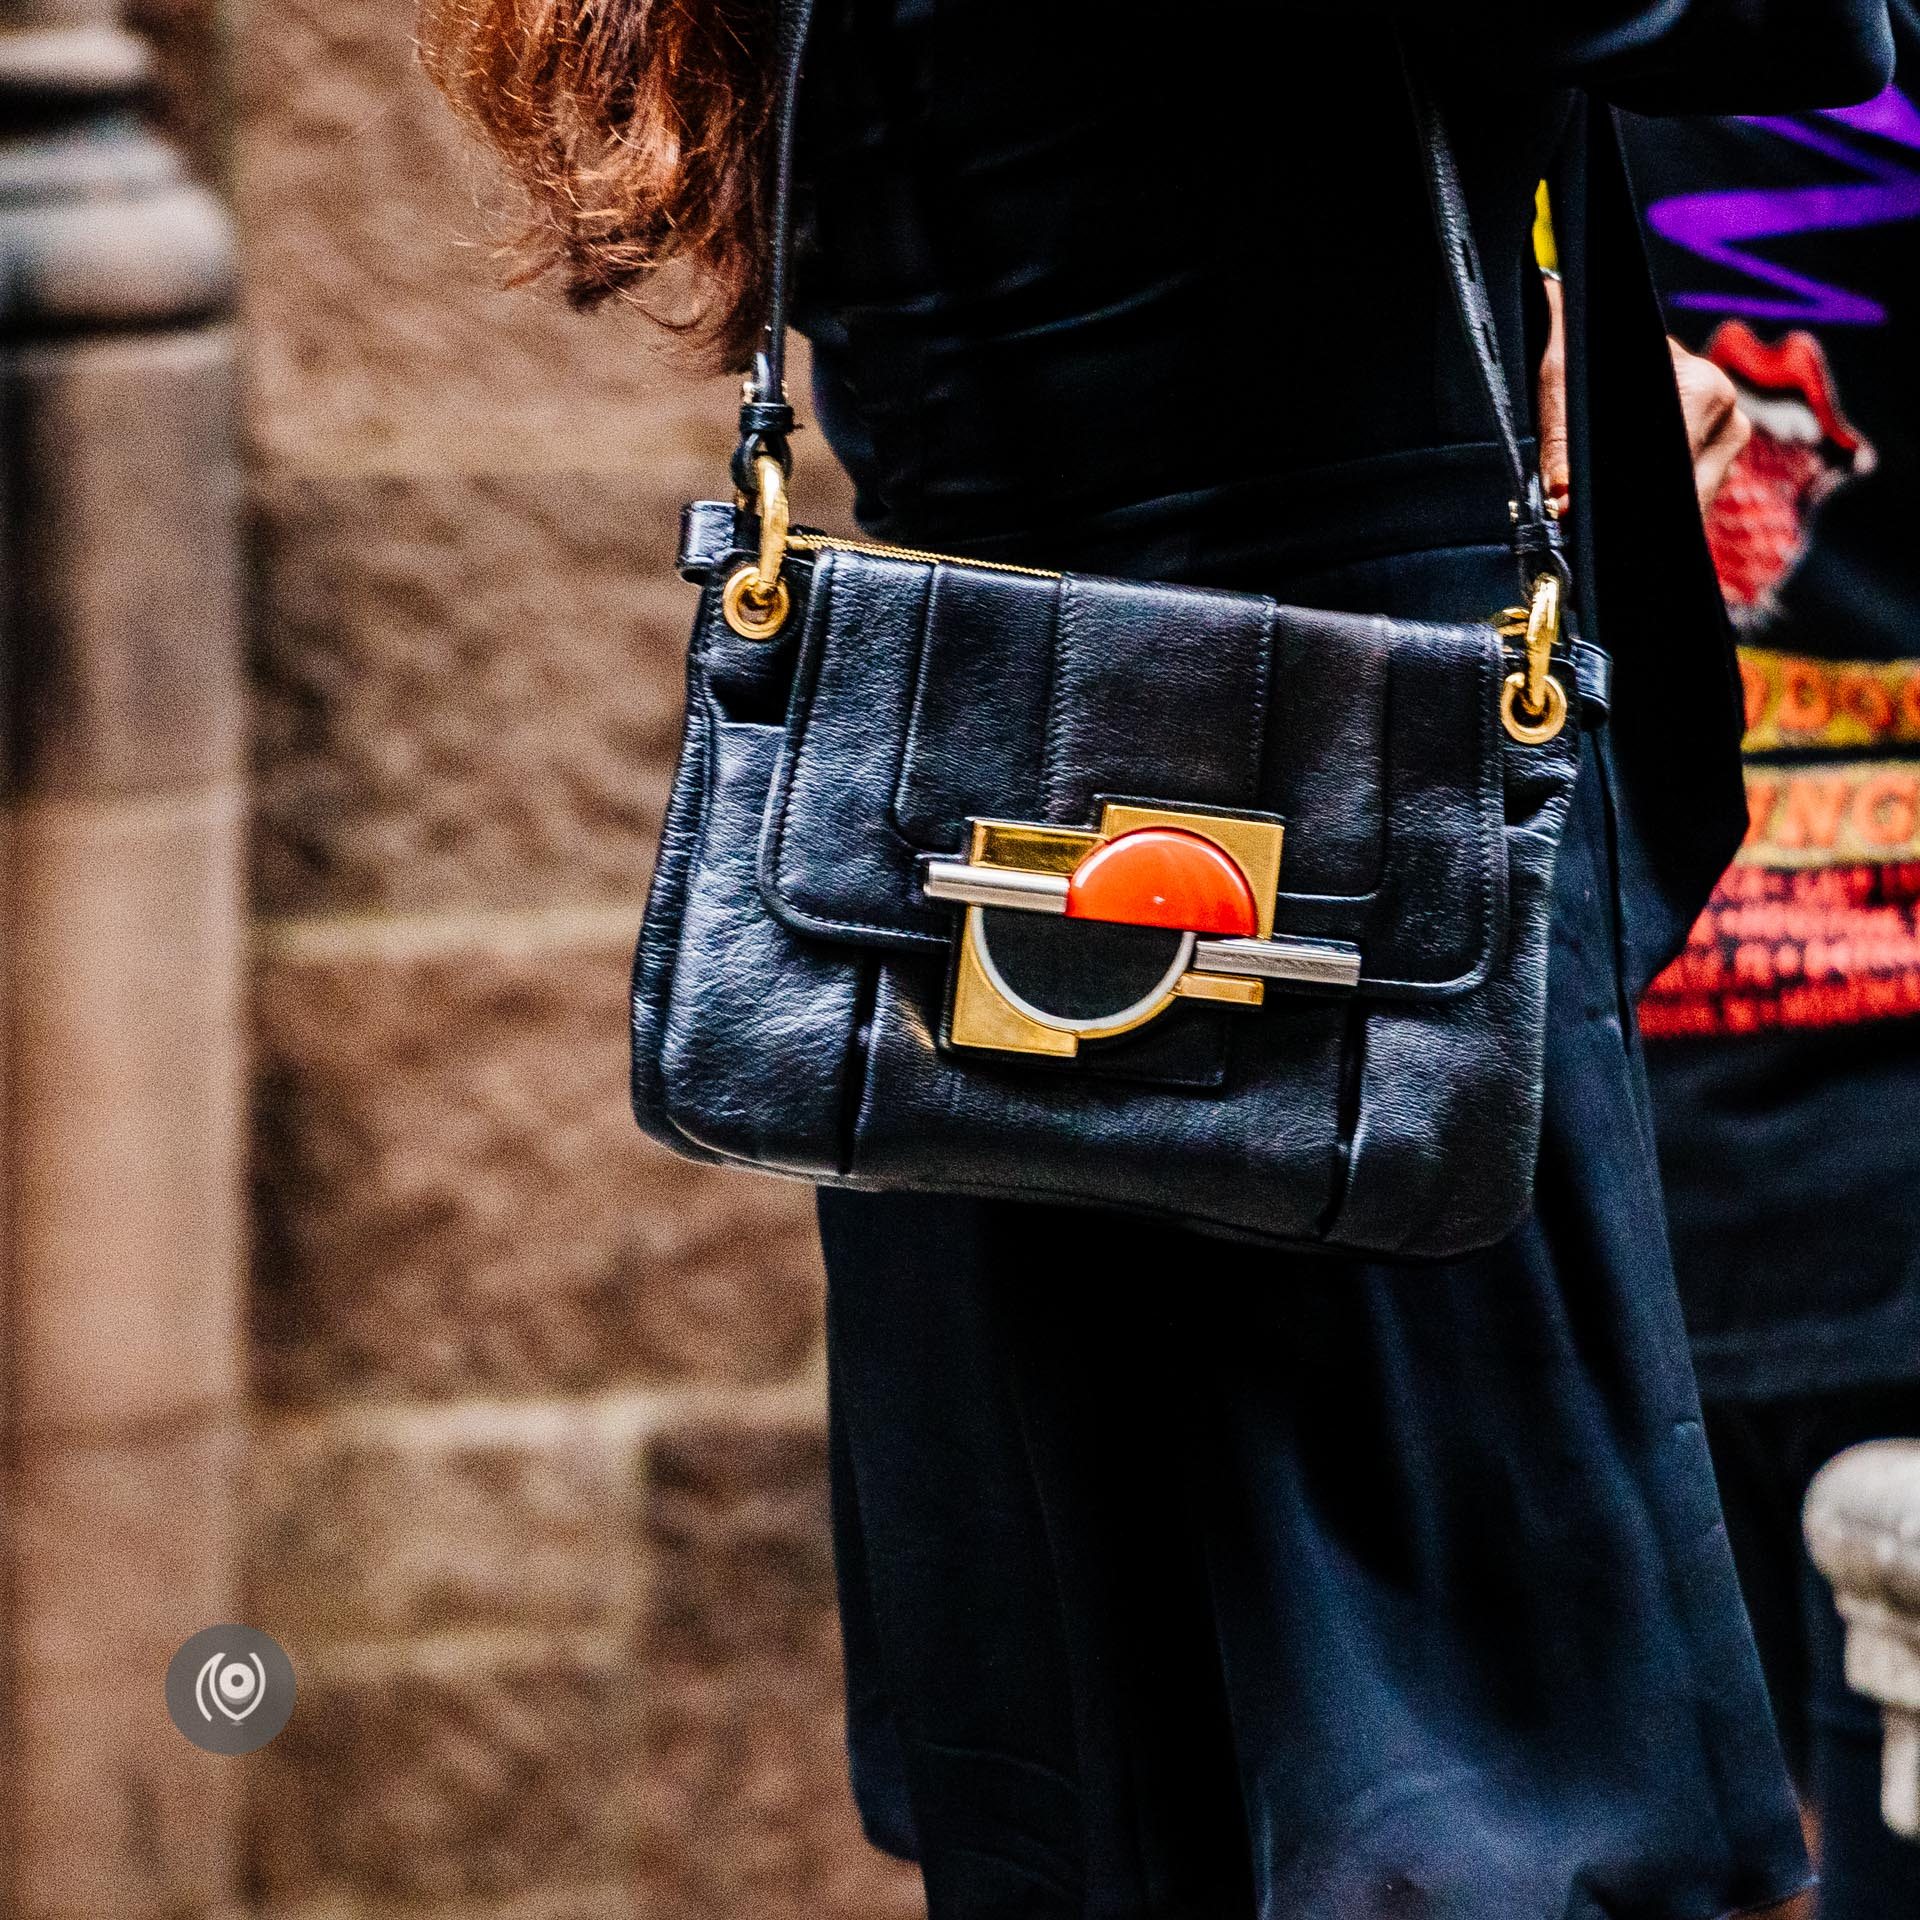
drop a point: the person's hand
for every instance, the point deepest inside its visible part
(1556, 472)
(1716, 428)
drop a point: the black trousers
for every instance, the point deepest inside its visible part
(1187, 1580)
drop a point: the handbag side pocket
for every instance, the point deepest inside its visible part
(759, 1025)
(659, 941)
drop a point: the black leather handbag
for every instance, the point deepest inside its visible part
(941, 905)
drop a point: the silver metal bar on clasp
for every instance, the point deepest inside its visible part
(1319, 963)
(996, 886)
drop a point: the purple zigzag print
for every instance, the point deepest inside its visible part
(1721, 226)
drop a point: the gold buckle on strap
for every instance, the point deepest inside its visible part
(1533, 703)
(755, 601)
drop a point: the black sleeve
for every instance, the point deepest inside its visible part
(1676, 56)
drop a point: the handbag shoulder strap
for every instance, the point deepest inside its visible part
(1536, 535)
(766, 415)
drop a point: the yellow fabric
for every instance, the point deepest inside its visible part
(1546, 250)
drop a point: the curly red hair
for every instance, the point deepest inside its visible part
(639, 131)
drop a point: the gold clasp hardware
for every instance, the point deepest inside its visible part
(1533, 704)
(755, 601)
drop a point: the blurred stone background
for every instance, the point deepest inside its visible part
(522, 1455)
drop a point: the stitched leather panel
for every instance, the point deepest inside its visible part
(1425, 903)
(979, 724)
(1157, 691)
(1336, 822)
(832, 862)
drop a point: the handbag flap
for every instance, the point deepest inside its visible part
(927, 694)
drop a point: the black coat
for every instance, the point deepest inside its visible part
(1190, 1580)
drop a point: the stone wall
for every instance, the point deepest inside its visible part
(537, 1493)
(123, 1415)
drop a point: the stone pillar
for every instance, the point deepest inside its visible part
(121, 905)
(1863, 1527)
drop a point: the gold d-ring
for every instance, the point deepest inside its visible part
(752, 612)
(1552, 717)
(755, 601)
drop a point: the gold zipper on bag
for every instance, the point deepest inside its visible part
(833, 543)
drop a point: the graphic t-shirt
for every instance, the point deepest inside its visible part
(1784, 1043)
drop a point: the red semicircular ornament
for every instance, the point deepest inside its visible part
(1163, 877)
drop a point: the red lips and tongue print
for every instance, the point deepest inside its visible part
(1802, 448)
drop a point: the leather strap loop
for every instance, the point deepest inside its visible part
(764, 427)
